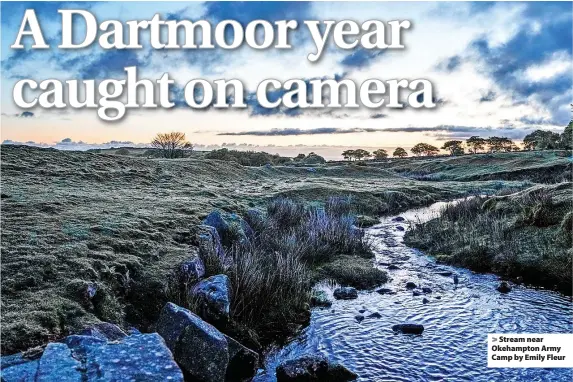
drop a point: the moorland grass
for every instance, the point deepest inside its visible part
(526, 234)
(123, 224)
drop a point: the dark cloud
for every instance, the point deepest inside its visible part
(361, 58)
(450, 64)
(297, 131)
(378, 116)
(489, 96)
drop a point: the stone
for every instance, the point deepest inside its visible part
(104, 330)
(438, 297)
(445, 273)
(243, 362)
(385, 291)
(361, 310)
(504, 287)
(425, 301)
(231, 227)
(210, 245)
(398, 219)
(411, 285)
(191, 270)
(320, 298)
(57, 364)
(18, 368)
(400, 228)
(212, 296)
(359, 318)
(313, 368)
(426, 290)
(77, 341)
(345, 293)
(416, 292)
(375, 315)
(140, 357)
(393, 267)
(408, 328)
(199, 348)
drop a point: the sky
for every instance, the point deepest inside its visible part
(501, 69)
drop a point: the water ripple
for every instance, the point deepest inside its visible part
(457, 320)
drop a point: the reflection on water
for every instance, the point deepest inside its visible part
(457, 320)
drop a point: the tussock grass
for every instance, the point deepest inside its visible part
(523, 234)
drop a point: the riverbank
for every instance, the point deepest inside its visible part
(71, 219)
(525, 236)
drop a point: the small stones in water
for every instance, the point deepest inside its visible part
(359, 318)
(445, 273)
(393, 267)
(425, 301)
(504, 287)
(345, 293)
(456, 279)
(438, 297)
(362, 311)
(408, 328)
(411, 285)
(398, 219)
(400, 228)
(319, 298)
(385, 291)
(416, 293)
(426, 290)
(375, 315)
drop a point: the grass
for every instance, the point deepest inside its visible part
(293, 245)
(123, 223)
(525, 234)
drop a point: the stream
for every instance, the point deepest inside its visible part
(457, 320)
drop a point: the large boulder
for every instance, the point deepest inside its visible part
(191, 270)
(57, 364)
(18, 368)
(319, 298)
(504, 287)
(313, 368)
(345, 293)
(199, 348)
(140, 357)
(212, 296)
(243, 362)
(231, 227)
(210, 245)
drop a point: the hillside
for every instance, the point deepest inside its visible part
(70, 218)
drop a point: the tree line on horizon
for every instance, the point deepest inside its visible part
(537, 140)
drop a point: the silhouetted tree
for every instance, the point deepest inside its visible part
(348, 154)
(172, 145)
(476, 144)
(454, 147)
(424, 149)
(400, 153)
(542, 140)
(380, 154)
(497, 144)
(361, 154)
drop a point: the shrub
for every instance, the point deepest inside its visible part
(122, 151)
(247, 158)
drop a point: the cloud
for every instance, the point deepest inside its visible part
(297, 131)
(489, 96)
(361, 58)
(440, 131)
(450, 64)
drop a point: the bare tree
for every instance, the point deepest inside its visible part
(172, 145)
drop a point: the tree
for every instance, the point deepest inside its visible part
(454, 147)
(172, 145)
(361, 154)
(400, 153)
(380, 154)
(475, 144)
(497, 144)
(425, 149)
(348, 154)
(542, 140)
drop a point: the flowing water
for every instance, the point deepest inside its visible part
(457, 320)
